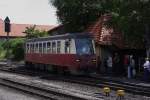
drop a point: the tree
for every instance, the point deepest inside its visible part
(32, 32)
(131, 17)
(76, 14)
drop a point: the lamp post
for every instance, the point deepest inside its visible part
(7, 30)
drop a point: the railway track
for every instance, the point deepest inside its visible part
(96, 82)
(131, 88)
(38, 90)
(46, 94)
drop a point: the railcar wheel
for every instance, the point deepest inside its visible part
(29, 65)
(54, 69)
(26, 64)
(49, 68)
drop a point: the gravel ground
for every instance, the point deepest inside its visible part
(97, 92)
(70, 87)
(9, 94)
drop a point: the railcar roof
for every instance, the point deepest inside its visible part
(64, 36)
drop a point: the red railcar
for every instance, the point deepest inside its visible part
(69, 52)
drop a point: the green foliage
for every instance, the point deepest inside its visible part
(15, 48)
(2, 51)
(131, 17)
(76, 14)
(32, 32)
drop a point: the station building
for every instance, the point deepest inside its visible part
(110, 40)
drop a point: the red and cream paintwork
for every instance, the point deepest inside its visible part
(70, 60)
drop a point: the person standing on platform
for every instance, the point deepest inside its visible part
(109, 65)
(129, 68)
(133, 70)
(146, 70)
(126, 64)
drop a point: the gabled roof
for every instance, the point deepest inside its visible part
(17, 30)
(105, 35)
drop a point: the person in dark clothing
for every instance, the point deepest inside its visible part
(126, 63)
(116, 64)
(109, 65)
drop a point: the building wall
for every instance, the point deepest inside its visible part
(1, 26)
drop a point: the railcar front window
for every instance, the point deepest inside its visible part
(84, 46)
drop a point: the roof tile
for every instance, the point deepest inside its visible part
(104, 35)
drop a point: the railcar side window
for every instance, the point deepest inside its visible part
(48, 47)
(40, 47)
(27, 48)
(67, 47)
(44, 47)
(58, 46)
(31, 48)
(53, 47)
(37, 48)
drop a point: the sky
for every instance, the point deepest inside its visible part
(28, 12)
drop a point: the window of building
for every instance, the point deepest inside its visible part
(58, 46)
(53, 47)
(48, 47)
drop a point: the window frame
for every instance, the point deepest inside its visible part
(58, 46)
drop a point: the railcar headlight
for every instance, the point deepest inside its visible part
(77, 60)
(94, 60)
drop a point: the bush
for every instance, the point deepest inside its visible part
(2, 51)
(16, 48)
